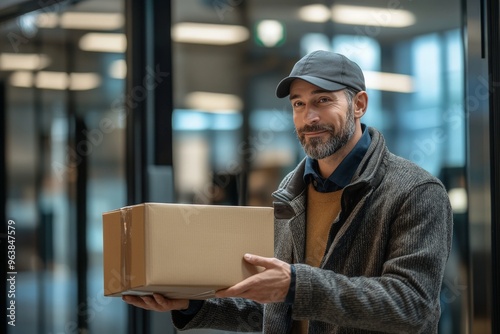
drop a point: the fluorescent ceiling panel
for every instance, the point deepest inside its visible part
(214, 102)
(358, 15)
(215, 34)
(103, 42)
(20, 61)
(315, 13)
(84, 81)
(21, 79)
(52, 80)
(372, 16)
(391, 82)
(47, 20)
(91, 21)
(55, 80)
(81, 20)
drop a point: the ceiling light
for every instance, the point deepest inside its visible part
(314, 13)
(19, 61)
(214, 102)
(372, 16)
(21, 79)
(270, 33)
(47, 20)
(84, 81)
(103, 42)
(52, 80)
(55, 80)
(216, 34)
(392, 82)
(81, 20)
(92, 21)
(458, 200)
(118, 69)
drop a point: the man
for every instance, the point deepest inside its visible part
(361, 235)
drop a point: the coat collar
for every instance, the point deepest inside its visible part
(369, 174)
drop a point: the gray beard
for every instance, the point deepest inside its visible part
(317, 149)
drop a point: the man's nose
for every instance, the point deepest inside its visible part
(311, 116)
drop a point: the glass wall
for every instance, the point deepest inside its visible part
(64, 66)
(64, 125)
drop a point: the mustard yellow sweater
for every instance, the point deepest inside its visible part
(322, 209)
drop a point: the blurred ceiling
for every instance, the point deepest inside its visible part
(218, 68)
(199, 67)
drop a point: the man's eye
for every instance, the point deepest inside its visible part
(297, 104)
(323, 99)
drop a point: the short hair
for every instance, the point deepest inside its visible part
(350, 93)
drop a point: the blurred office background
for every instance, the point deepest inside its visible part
(106, 103)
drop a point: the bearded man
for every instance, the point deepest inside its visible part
(361, 236)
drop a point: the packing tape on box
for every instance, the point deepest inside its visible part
(126, 232)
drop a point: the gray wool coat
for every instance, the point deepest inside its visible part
(383, 270)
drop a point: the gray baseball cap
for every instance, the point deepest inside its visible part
(327, 70)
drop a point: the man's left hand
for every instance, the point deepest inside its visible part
(268, 286)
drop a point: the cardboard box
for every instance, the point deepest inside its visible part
(181, 250)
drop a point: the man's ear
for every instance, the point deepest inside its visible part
(360, 104)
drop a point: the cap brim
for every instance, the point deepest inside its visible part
(283, 88)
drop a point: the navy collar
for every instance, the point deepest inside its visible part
(343, 174)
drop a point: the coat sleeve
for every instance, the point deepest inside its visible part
(231, 314)
(404, 298)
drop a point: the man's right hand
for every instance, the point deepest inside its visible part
(156, 302)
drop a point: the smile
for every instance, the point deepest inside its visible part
(315, 133)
